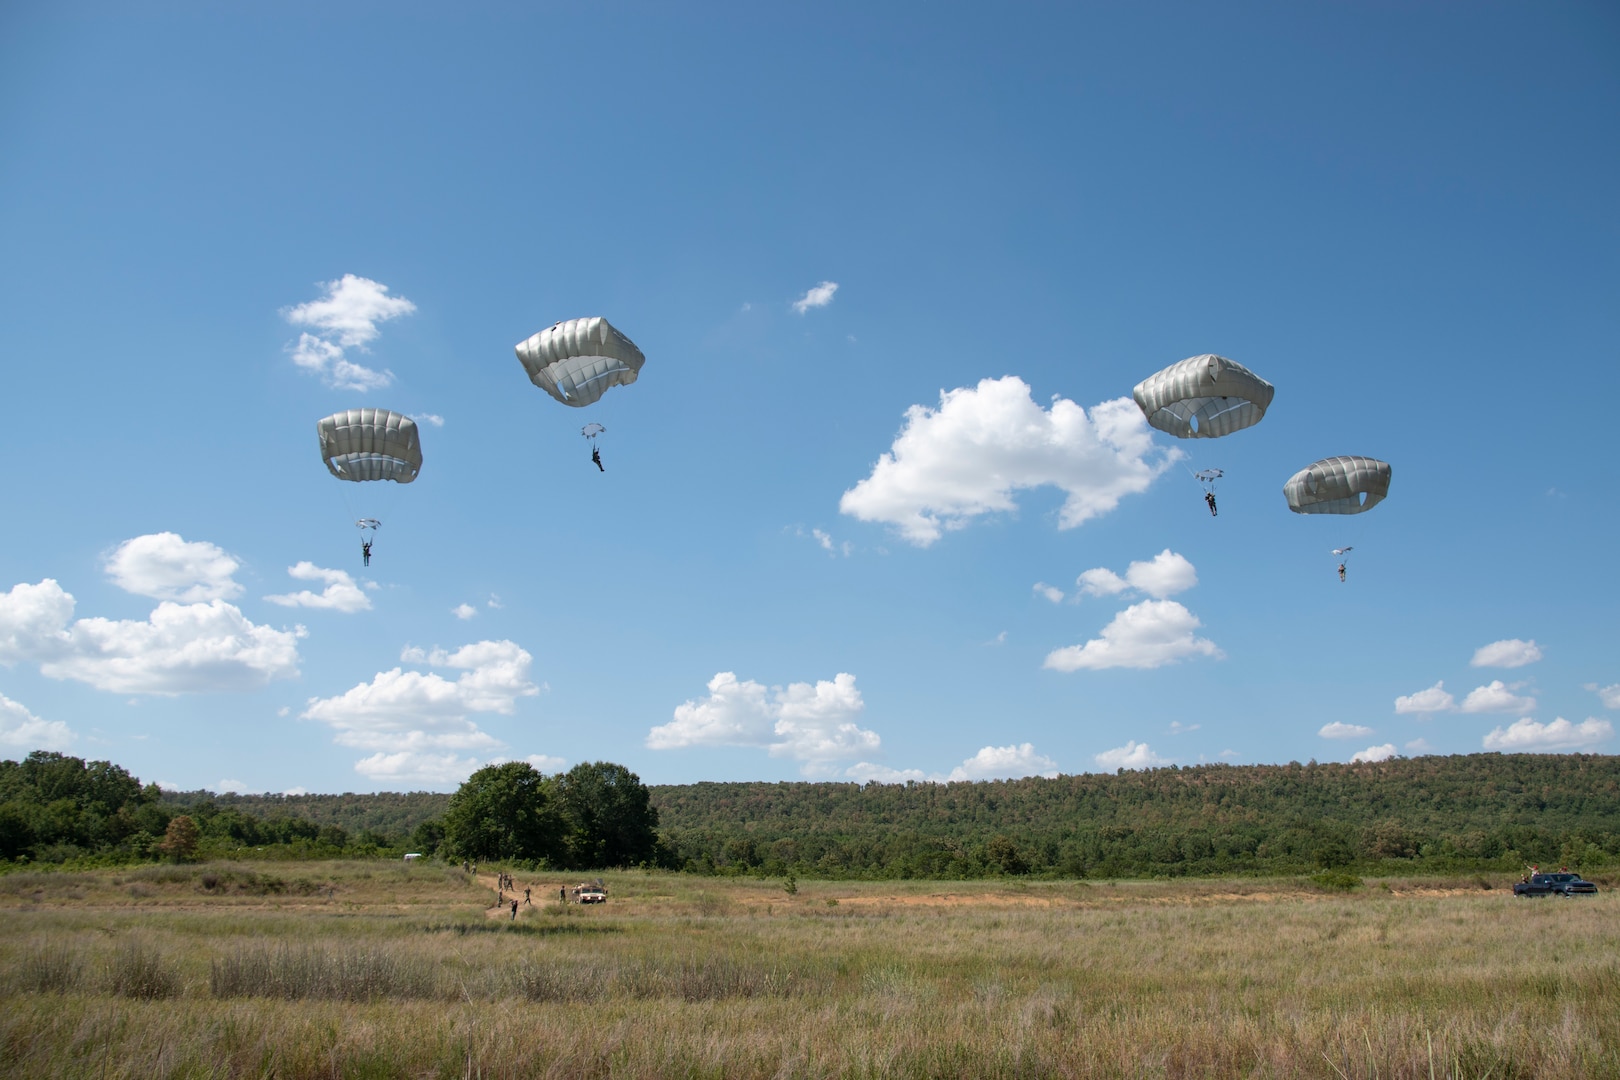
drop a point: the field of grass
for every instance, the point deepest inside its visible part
(365, 969)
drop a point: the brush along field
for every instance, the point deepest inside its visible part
(357, 969)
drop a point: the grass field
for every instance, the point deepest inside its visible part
(351, 969)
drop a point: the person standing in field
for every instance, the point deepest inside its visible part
(562, 895)
(514, 909)
(526, 901)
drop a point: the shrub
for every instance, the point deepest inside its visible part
(1336, 880)
(49, 968)
(138, 970)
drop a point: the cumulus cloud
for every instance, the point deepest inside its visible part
(340, 594)
(967, 458)
(406, 770)
(234, 786)
(867, 772)
(810, 723)
(464, 611)
(1338, 730)
(1528, 736)
(1374, 753)
(345, 318)
(1434, 699)
(1609, 695)
(1166, 574)
(1049, 592)
(818, 297)
(165, 566)
(990, 763)
(418, 721)
(1496, 696)
(1510, 653)
(1133, 755)
(23, 730)
(1419, 746)
(180, 648)
(1150, 634)
(427, 418)
(1005, 762)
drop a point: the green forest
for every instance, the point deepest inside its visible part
(1408, 815)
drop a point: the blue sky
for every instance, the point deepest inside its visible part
(951, 235)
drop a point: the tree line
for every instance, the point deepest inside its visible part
(1431, 813)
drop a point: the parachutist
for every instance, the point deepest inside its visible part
(365, 551)
(596, 456)
(1209, 497)
(1341, 571)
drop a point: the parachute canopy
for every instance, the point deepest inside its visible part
(578, 361)
(591, 431)
(1338, 485)
(1207, 476)
(1203, 397)
(1343, 550)
(370, 444)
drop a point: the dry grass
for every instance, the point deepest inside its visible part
(380, 970)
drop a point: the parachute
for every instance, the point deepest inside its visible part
(1338, 485)
(1343, 551)
(579, 360)
(1207, 477)
(370, 444)
(1203, 397)
(591, 431)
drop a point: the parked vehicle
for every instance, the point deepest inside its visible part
(1562, 884)
(590, 894)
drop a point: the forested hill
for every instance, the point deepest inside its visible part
(1474, 809)
(1428, 813)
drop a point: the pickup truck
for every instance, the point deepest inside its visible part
(1561, 884)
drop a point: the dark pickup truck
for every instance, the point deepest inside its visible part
(1554, 885)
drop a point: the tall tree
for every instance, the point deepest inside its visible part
(503, 812)
(608, 814)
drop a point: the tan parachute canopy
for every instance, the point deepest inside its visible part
(1203, 397)
(578, 361)
(1338, 485)
(370, 444)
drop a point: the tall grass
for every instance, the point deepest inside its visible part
(922, 979)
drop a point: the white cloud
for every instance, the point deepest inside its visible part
(464, 611)
(866, 772)
(1166, 574)
(1434, 699)
(406, 770)
(25, 731)
(341, 592)
(165, 566)
(1101, 582)
(180, 648)
(1419, 746)
(1049, 592)
(546, 763)
(296, 790)
(428, 418)
(494, 602)
(416, 722)
(1178, 728)
(828, 544)
(346, 317)
(1133, 755)
(1510, 653)
(1495, 696)
(1005, 762)
(167, 785)
(1374, 753)
(234, 786)
(818, 297)
(1339, 730)
(811, 723)
(968, 457)
(1528, 736)
(1145, 635)
(1609, 695)
(990, 763)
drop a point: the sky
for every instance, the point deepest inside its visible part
(880, 506)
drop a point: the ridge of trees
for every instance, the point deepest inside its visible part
(1433, 813)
